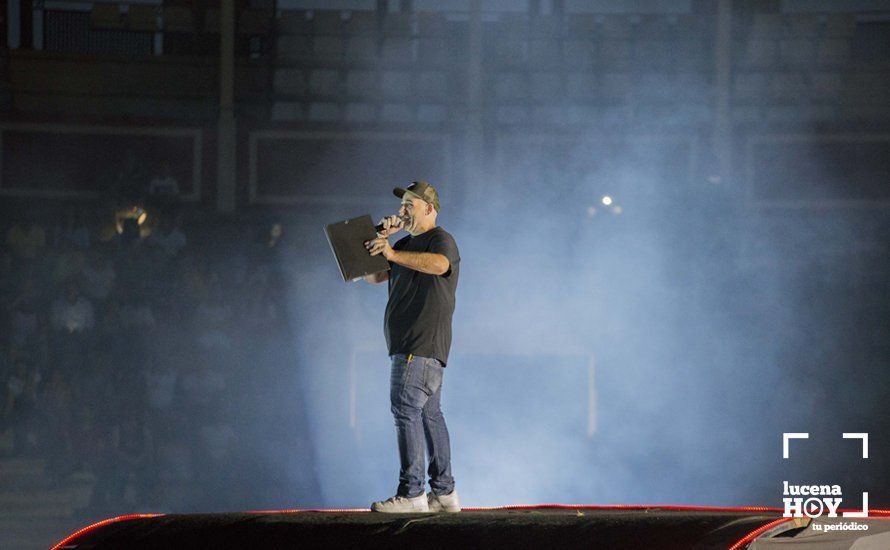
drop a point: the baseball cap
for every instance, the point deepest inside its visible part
(422, 190)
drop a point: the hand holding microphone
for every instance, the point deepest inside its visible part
(390, 225)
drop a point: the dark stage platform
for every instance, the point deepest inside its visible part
(545, 526)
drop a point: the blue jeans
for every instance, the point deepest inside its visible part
(415, 392)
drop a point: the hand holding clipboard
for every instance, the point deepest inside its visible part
(347, 239)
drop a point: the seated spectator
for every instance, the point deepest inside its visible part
(72, 321)
(7, 361)
(20, 407)
(89, 441)
(74, 312)
(25, 314)
(109, 325)
(98, 276)
(55, 401)
(8, 277)
(26, 239)
(73, 232)
(269, 235)
(195, 278)
(160, 384)
(99, 378)
(164, 185)
(211, 320)
(135, 311)
(260, 274)
(129, 454)
(168, 236)
(261, 309)
(69, 264)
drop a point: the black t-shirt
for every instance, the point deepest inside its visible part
(420, 306)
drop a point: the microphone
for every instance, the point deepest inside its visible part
(379, 227)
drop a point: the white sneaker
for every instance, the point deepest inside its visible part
(443, 503)
(401, 505)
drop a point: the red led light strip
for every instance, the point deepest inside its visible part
(98, 524)
(872, 514)
(757, 532)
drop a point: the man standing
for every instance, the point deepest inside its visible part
(424, 268)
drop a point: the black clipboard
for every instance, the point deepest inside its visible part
(347, 240)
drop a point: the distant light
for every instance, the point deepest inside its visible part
(607, 200)
(617, 210)
(141, 219)
(591, 211)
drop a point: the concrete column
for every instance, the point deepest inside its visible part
(722, 137)
(14, 24)
(226, 127)
(475, 138)
(37, 25)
